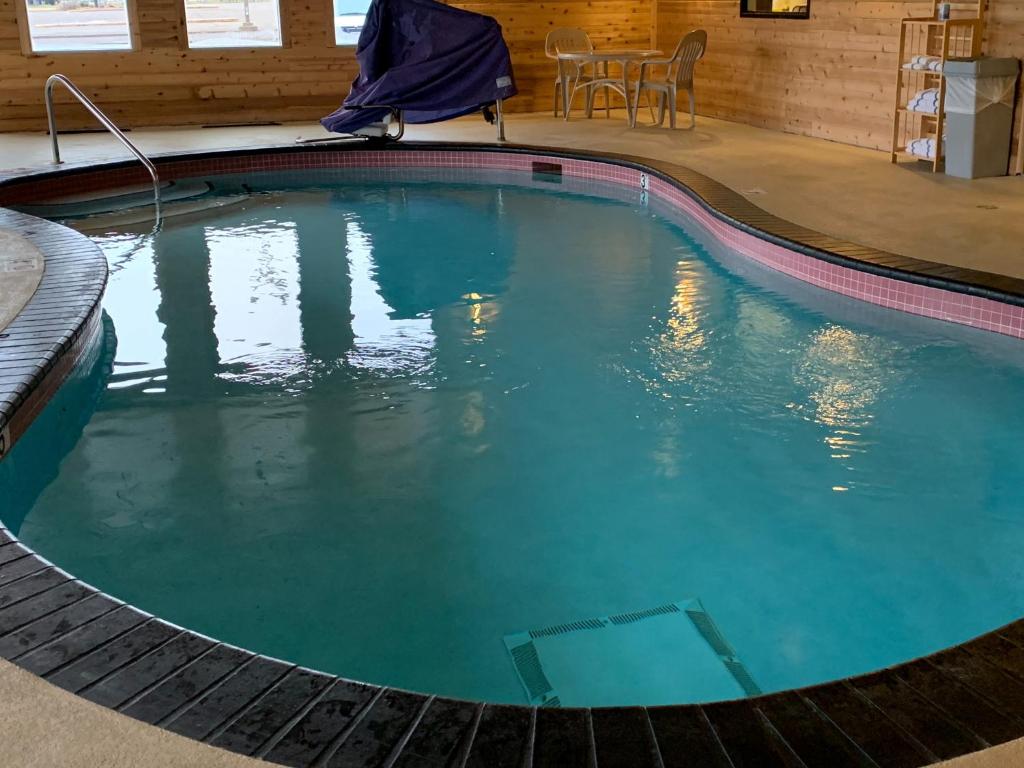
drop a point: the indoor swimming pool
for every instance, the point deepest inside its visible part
(521, 441)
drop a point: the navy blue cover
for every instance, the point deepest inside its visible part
(430, 60)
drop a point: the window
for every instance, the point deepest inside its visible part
(349, 16)
(233, 23)
(78, 25)
(777, 9)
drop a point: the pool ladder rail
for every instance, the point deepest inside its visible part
(105, 121)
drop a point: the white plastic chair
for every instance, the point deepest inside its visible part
(679, 75)
(570, 40)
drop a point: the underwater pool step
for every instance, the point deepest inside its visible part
(102, 222)
(80, 205)
(677, 644)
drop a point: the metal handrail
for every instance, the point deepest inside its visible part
(105, 121)
(500, 113)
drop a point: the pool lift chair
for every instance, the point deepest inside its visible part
(678, 75)
(572, 77)
(421, 61)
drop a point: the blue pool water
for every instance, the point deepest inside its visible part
(379, 428)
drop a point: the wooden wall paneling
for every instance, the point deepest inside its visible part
(610, 23)
(1004, 36)
(832, 76)
(163, 82)
(19, 32)
(654, 23)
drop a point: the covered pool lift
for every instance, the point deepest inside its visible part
(421, 61)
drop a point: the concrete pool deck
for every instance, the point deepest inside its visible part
(847, 192)
(21, 268)
(59, 720)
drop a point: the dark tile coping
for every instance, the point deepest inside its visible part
(40, 346)
(947, 704)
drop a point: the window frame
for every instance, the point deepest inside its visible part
(334, 29)
(748, 14)
(282, 21)
(21, 16)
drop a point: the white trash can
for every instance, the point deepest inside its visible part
(979, 116)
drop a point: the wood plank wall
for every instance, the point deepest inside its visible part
(832, 76)
(610, 23)
(166, 83)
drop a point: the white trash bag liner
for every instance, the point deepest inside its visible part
(969, 96)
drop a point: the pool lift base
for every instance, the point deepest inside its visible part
(381, 131)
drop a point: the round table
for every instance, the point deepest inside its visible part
(623, 57)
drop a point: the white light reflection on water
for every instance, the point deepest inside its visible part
(254, 284)
(381, 343)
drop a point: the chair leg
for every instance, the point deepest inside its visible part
(570, 86)
(601, 71)
(557, 96)
(673, 106)
(632, 115)
(650, 106)
(661, 108)
(693, 108)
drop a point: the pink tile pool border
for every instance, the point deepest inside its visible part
(975, 311)
(952, 306)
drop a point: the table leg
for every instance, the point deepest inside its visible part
(565, 95)
(636, 100)
(607, 95)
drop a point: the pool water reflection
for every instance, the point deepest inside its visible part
(373, 428)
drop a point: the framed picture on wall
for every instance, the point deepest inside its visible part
(776, 9)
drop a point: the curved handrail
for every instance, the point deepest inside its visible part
(105, 121)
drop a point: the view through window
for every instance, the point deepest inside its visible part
(79, 25)
(232, 23)
(349, 16)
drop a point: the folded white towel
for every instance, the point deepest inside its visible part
(924, 148)
(926, 101)
(924, 63)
